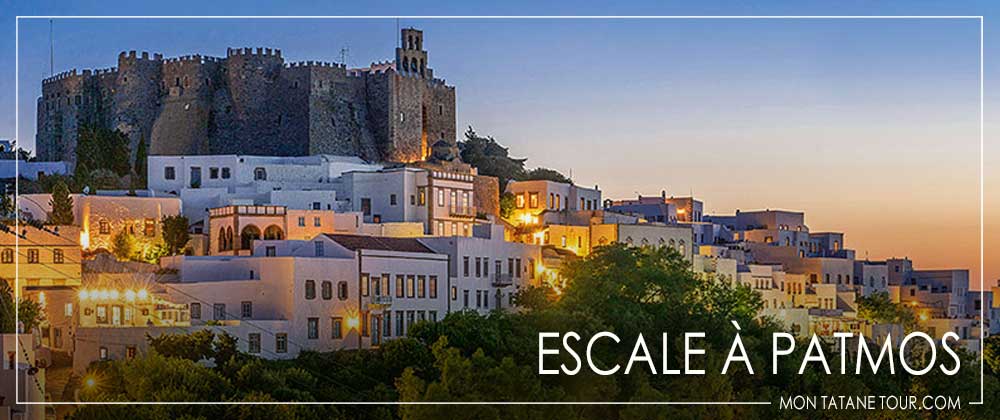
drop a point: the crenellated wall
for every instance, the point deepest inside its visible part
(252, 102)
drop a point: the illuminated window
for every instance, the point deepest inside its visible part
(533, 200)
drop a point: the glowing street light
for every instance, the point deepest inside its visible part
(130, 295)
(142, 294)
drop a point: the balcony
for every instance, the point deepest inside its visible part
(502, 280)
(462, 211)
(379, 301)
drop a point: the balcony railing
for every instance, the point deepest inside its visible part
(380, 300)
(462, 211)
(502, 280)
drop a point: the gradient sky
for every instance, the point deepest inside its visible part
(869, 126)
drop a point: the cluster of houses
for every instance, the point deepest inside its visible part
(326, 252)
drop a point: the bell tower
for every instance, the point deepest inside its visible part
(411, 58)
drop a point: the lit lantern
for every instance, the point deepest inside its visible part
(83, 295)
(129, 295)
(113, 294)
(104, 294)
(142, 294)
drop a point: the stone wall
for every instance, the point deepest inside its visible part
(251, 102)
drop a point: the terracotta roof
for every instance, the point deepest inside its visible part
(356, 242)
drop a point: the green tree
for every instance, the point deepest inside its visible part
(507, 203)
(62, 205)
(139, 166)
(29, 312)
(546, 174)
(490, 158)
(124, 246)
(175, 233)
(101, 148)
(880, 308)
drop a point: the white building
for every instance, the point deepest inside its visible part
(485, 270)
(327, 293)
(210, 181)
(442, 201)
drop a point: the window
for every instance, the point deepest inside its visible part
(479, 298)
(68, 309)
(327, 290)
(411, 287)
(316, 205)
(130, 352)
(318, 251)
(317, 222)
(465, 266)
(520, 201)
(246, 309)
(169, 173)
(399, 323)
(312, 325)
(270, 251)
(281, 343)
(384, 291)
(8, 256)
(57, 256)
(486, 299)
(104, 228)
(517, 267)
(440, 192)
(219, 311)
(433, 283)
(196, 311)
(336, 328)
(366, 206)
(533, 200)
(421, 287)
(253, 343)
(103, 352)
(310, 289)
(392, 199)
(32, 256)
(399, 285)
(342, 290)
(387, 324)
(365, 279)
(465, 296)
(213, 173)
(486, 267)
(259, 174)
(454, 293)
(225, 173)
(302, 221)
(479, 269)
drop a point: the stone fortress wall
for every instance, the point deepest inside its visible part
(252, 102)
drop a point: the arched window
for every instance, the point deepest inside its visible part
(273, 232)
(249, 234)
(673, 244)
(422, 67)
(409, 42)
(222, 239)
(7, 256)
(260, 174)
(229, 238)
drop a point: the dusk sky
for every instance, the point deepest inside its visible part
(869, 126)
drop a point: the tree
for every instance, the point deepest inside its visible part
(546, 174)
(7, 211)
(123, 245)
(62, 205)
(880, 308)
(139, 167)
(507, 203)
(175, 233)
(490, 158)
(101, 148)
(29, 312)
